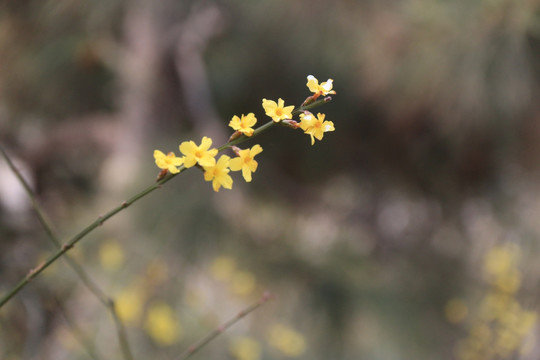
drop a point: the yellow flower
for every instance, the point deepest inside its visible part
(244, 124)
(168, 162)
(245, 348)
(219, 174)
(198, 154)
(324, 88)
(315, 127)
(277, 111)
(160, 324)
(245, 161)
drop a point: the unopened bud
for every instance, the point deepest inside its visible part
(310, 99)
(236, 150)
(290, 123)
(235, 136)
(162, 174)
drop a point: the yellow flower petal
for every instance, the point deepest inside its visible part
(206, 143)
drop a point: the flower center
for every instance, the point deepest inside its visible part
(279, 111)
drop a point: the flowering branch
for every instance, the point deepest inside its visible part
(203, 156)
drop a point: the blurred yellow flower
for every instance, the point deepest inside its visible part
(480, 334)
(508, 282)
(277, 111)
(501, 259)
(161, 325)
(223, 267)
(111, 255)
(244, 124)
(219, 174)
(324, 88)
(246, 161)
(502, 327)
(242, 283)
(244, 348)
(128, 305)
(455, 311)
(527, 322)
(493, 305)
(169, 161)
(286, 340)
(201, 154)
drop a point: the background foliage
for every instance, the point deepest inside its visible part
(364, 238)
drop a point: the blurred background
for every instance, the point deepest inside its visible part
(411, 232)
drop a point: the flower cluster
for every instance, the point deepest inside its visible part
(502, 327)
(217, 171)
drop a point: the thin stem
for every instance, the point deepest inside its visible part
(101, 219)
(220, 329)
(77, 268)
(77, 333)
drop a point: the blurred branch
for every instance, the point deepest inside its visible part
(220, 329)
(193, 37)
(77, 332)
(102, 218)
(79, 270)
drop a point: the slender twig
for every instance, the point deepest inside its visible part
(77, 268)
(101, 219)
(220, 329)
(77, 333)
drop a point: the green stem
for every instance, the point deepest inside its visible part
(220, 329)
(77, 333)
(78, 269)
(101, 219)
